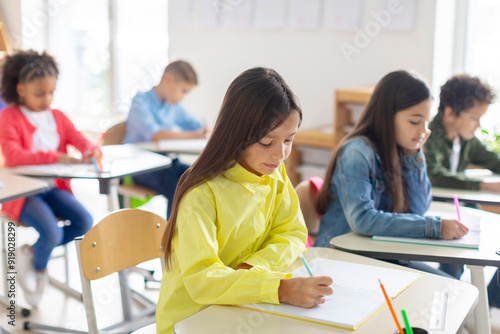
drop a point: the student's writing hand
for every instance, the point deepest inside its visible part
(87, 156)
(490, 186)
(305, 292)
(66, 159)
(453, 229)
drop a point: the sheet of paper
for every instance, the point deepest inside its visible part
(357, 294)
(305, 14)
(342, 14)
(182, 145)
(236, 14)
(270, 14)
(206, 14)
(57, 169)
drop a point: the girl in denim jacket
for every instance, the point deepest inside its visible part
(378, 182)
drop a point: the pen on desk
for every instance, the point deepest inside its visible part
(96, 166)
(408, 329)
(390, 307)
(457, 206)
(305, 264)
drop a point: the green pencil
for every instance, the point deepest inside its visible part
(408, 329)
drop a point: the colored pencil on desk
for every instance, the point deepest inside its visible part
(305, 264)
(457, 206)
(390, 307)
(408, 329)
(96, 166)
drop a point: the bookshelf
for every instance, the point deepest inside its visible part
(312, 146)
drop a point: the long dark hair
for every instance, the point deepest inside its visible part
(256, 102)
(396, 91)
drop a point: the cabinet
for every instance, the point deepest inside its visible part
(319, 142)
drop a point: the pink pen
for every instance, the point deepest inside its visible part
(455, 198)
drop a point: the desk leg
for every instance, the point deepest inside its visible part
(481, 312)
(112, 195)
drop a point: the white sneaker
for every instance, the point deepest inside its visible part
(26, 272)
(42, 277)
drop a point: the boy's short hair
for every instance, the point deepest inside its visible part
(183, 71)
(463, 91)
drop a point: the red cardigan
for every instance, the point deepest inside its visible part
(16, 142)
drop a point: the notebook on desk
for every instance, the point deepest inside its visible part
(470, 240)
(356, 293)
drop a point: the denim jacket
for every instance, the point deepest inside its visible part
(359, 190)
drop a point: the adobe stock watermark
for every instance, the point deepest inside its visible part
(372, 29)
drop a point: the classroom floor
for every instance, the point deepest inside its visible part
(57, 309)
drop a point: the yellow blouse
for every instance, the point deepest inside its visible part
(237, 217)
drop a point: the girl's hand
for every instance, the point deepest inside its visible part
(453, 229)
(305, 292)
(66, 159)
(87, 157)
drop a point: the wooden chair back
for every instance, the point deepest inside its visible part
(115, 134)
(123, 239)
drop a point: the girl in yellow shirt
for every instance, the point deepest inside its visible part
(235, 222)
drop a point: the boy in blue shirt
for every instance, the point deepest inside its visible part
(156, 115)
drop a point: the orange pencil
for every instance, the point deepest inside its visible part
(390, 308)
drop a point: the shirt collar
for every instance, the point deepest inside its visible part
(249, 180)
(155, 98)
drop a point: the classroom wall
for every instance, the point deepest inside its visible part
(310, 61)
(11, 15)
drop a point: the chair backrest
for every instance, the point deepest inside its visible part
(121, 240)
(307, 191)
(115, 134)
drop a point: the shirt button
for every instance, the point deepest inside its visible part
(419, 158)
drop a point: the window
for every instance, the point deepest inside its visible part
(482, 52)
(106, 50)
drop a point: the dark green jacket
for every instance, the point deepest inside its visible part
(438, 149)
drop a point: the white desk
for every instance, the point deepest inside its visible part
(118, 161)
(16, 186)
(475, 259)
(473, 196)
(416, 300)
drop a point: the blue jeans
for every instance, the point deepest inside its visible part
(42, 212)
(456, 270)
(163, 181)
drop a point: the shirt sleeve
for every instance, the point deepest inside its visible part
(440, 175)
(207, 279)
(185, 120)
(141, 123)
(287, 236)
(75, 137)
(481, 156)
(15, 154)
(352, 177)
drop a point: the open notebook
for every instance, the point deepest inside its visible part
(470, 240)
(356, 293)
